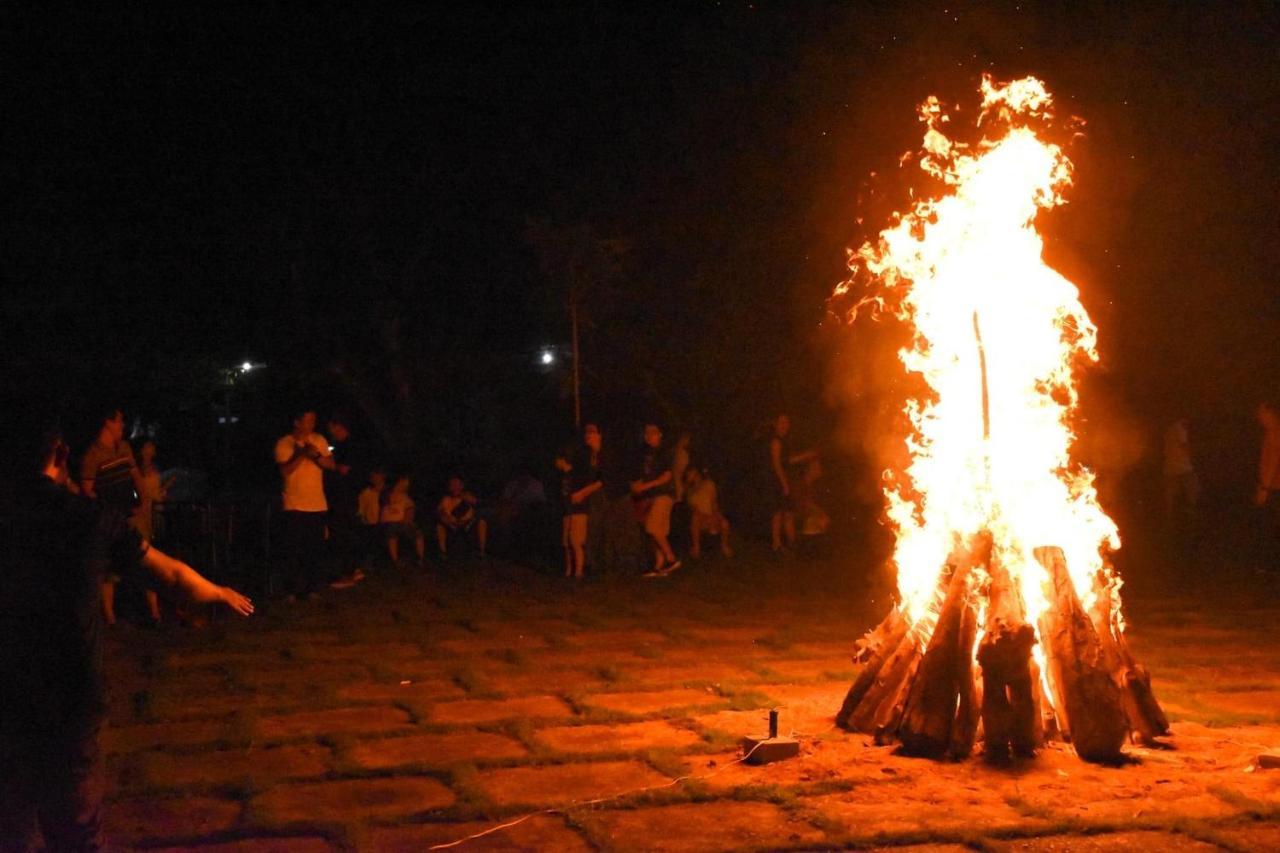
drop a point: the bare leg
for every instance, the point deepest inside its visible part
(482, 535)
(775, 528)
(153, 605)
(442, 538)
(789, 528)
(695, 537)
(393, 549)
(725, 550)
(420, 548)
(109, 602)
(567, 543)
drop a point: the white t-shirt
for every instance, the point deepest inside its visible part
(304, 488)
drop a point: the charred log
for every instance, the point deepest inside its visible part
(1146, 718)
(1087, 699)
(1010, 713)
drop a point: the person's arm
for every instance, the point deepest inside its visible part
(290, 464)
(800, 458)
(775, 458)
(174, 573)
(89, 470)
(443, 515)
(586, 491)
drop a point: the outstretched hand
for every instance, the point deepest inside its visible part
(237, 602)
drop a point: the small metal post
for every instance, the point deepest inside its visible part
(773, 723)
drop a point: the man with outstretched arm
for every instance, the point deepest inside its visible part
(59, 547)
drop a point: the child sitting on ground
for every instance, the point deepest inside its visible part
(397, 522)
(704, 505)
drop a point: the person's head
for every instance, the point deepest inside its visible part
(402, 484)
(652, 435)
(147, 453)
(304, 422)
(692, 475)
(684, 440)
(782, 424)
(378, 479)
(454, 486)
(112, 428)
(1268, 416)
(591, 436)
(339, 427)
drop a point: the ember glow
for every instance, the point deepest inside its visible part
(1007, 609)
(997, 335)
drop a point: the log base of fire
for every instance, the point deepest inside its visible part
(924, 686)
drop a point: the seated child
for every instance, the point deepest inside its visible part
(397, 522)
(456, 514)
(705, 516)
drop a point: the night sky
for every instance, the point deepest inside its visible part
(346, 198)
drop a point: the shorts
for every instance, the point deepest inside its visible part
(658, 522)
(713, 524)
(401, 530)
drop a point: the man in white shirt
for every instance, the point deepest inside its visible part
(303, 456)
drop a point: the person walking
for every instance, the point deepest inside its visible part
(302, 457)
(782, 464)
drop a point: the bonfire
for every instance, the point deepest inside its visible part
(1008, 627)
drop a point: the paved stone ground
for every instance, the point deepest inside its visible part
(420, 709)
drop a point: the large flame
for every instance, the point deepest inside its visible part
(997, 335)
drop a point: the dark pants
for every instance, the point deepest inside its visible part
(305, 556)
(347, 542)
(56, 786)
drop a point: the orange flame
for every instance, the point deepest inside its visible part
(997, 335)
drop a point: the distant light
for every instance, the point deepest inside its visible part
(247, 366)
(547, 357)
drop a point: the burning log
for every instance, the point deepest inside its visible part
(1146, 718)
(1010, 711)
(930, 711)
(872, 652)
(1085, 695)
(965, 728)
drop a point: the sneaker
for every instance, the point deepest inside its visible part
(654, 573)
(671, 567)
(344, 583)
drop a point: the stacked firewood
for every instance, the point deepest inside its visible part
(922, 684)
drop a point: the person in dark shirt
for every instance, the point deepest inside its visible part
(584, 480)
(653, 491)
(60, 546)
(342, 486)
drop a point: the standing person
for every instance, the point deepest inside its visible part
(1267, 495)
(152, 493)
(302, 457)
(1181, 488)
(60, 547)
(782, 462)
(109, 473)
(653, 493)
(584, 481)
(456, 514)
(343, 484)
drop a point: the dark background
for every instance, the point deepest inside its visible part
(349, 200)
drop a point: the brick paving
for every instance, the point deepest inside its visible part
(415, 711)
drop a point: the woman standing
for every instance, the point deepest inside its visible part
(151, 492)
(583, 482)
